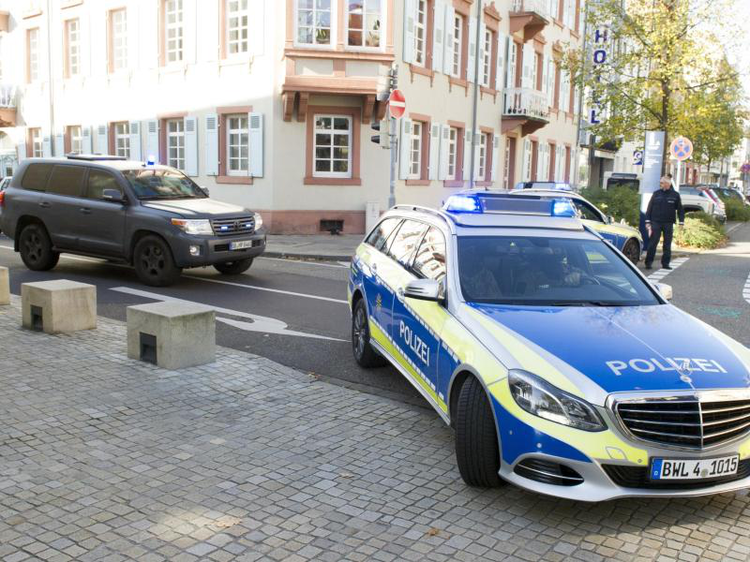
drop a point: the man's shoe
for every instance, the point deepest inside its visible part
(666, 267)
(648, 266)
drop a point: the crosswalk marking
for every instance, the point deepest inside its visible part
(660, 274)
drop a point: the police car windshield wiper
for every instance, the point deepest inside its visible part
(588, 303)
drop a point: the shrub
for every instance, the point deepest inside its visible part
(737, 210)
(618, 202)
(700, 232)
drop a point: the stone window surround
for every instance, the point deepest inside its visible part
(223, 176)
(110, 38)
(460, 126)
(163, 35)
(68, 138)
(489, 135)
(424, 176)
(356, 116)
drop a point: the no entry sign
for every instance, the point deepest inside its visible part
(681, 148)
(397, 104)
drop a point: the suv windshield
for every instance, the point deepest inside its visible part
(162, 184)
(531, 270)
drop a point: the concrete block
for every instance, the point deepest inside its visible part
(174, 335)
(58, 306)
(4, 286)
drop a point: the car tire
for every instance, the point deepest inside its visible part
(154, 263)
(477, 451)
(234, 267)
(364, 354)
(35, 247)
(632, 251)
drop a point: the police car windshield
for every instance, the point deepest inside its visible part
(547, 271)
(162, 184)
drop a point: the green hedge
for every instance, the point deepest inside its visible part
(737, 210)
(618, 202)
(700, 231)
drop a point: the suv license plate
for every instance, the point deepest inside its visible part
(241, 245)
(688, 469)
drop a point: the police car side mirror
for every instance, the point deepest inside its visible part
(424, 290)
(665, 290)
(206, 191)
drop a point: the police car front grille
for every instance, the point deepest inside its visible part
(685, 421)
(234, 226)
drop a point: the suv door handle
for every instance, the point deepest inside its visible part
(45, 204)
(85, 210)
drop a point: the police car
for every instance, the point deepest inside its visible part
(625, 238)
(561, 368)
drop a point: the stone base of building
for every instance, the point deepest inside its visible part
(314, 222)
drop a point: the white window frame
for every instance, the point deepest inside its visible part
(1, 57)
(37, 143)
(458, 36)
(381, 9)
(242, 16)
(174, 51)
(482, 169)
(487, 57)
(506, 164)
(75, 133)
(453, 140)
(73, 52)
(119, 30)
(415, 150)
(242, 135)
(420, 27)
(32, 42)
(332, 132)
(333, 18)
(175, 139)
(121, 137)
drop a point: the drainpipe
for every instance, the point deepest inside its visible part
(51, 83)
(476, 94)
(581, 100)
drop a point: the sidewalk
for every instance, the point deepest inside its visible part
(106, 459)
(313, 246)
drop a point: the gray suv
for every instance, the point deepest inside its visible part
(153, 217)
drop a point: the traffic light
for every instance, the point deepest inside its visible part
(382, 138)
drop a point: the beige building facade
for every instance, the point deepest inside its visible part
(270, 104)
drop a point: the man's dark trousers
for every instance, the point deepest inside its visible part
(657, 228)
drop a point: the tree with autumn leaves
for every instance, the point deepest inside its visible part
(665, 69)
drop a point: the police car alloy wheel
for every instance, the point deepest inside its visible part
(364, 354)
(477, 453)
(632, 251)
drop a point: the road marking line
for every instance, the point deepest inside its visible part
(218, 281)
(735, 227)
(746, 290)
(263, 324)
(343, 265)
(660, 274)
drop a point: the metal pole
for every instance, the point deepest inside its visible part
(51, 83)
(678, 176)
(394, 152)
(476, 95)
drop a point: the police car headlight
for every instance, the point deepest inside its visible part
(540, 398)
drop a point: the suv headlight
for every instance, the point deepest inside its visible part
(540, 398)
(258, 220)
(201, 226)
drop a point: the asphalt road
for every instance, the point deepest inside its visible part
(295, 313)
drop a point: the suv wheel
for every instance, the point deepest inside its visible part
(477, 451)
(154, 263)
(632, 251)
(234, 267)
(35, 247)
(364, 354)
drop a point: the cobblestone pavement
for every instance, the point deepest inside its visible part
(103, 458)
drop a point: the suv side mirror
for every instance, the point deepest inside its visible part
(424, 290)
(665, 290)
(113, 195)
(206, 191)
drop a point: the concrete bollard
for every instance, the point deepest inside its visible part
(4, 286)
(172, 335)
(58, 306)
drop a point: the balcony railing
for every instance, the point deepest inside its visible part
(7, 96)
(536, 6)
(525, 102)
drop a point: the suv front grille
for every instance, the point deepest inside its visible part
(686, 421)
(232, 227)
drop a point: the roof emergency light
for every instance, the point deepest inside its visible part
(463, 204)
(151, 160)
(484, 202)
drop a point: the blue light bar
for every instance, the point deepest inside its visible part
(463, 204)
(151, 160)
(563, 208)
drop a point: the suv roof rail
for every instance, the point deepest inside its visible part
(421, 209)
(93, 157)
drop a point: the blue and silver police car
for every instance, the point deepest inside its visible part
(560, 367)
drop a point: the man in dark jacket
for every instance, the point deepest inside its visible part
(665, 204)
